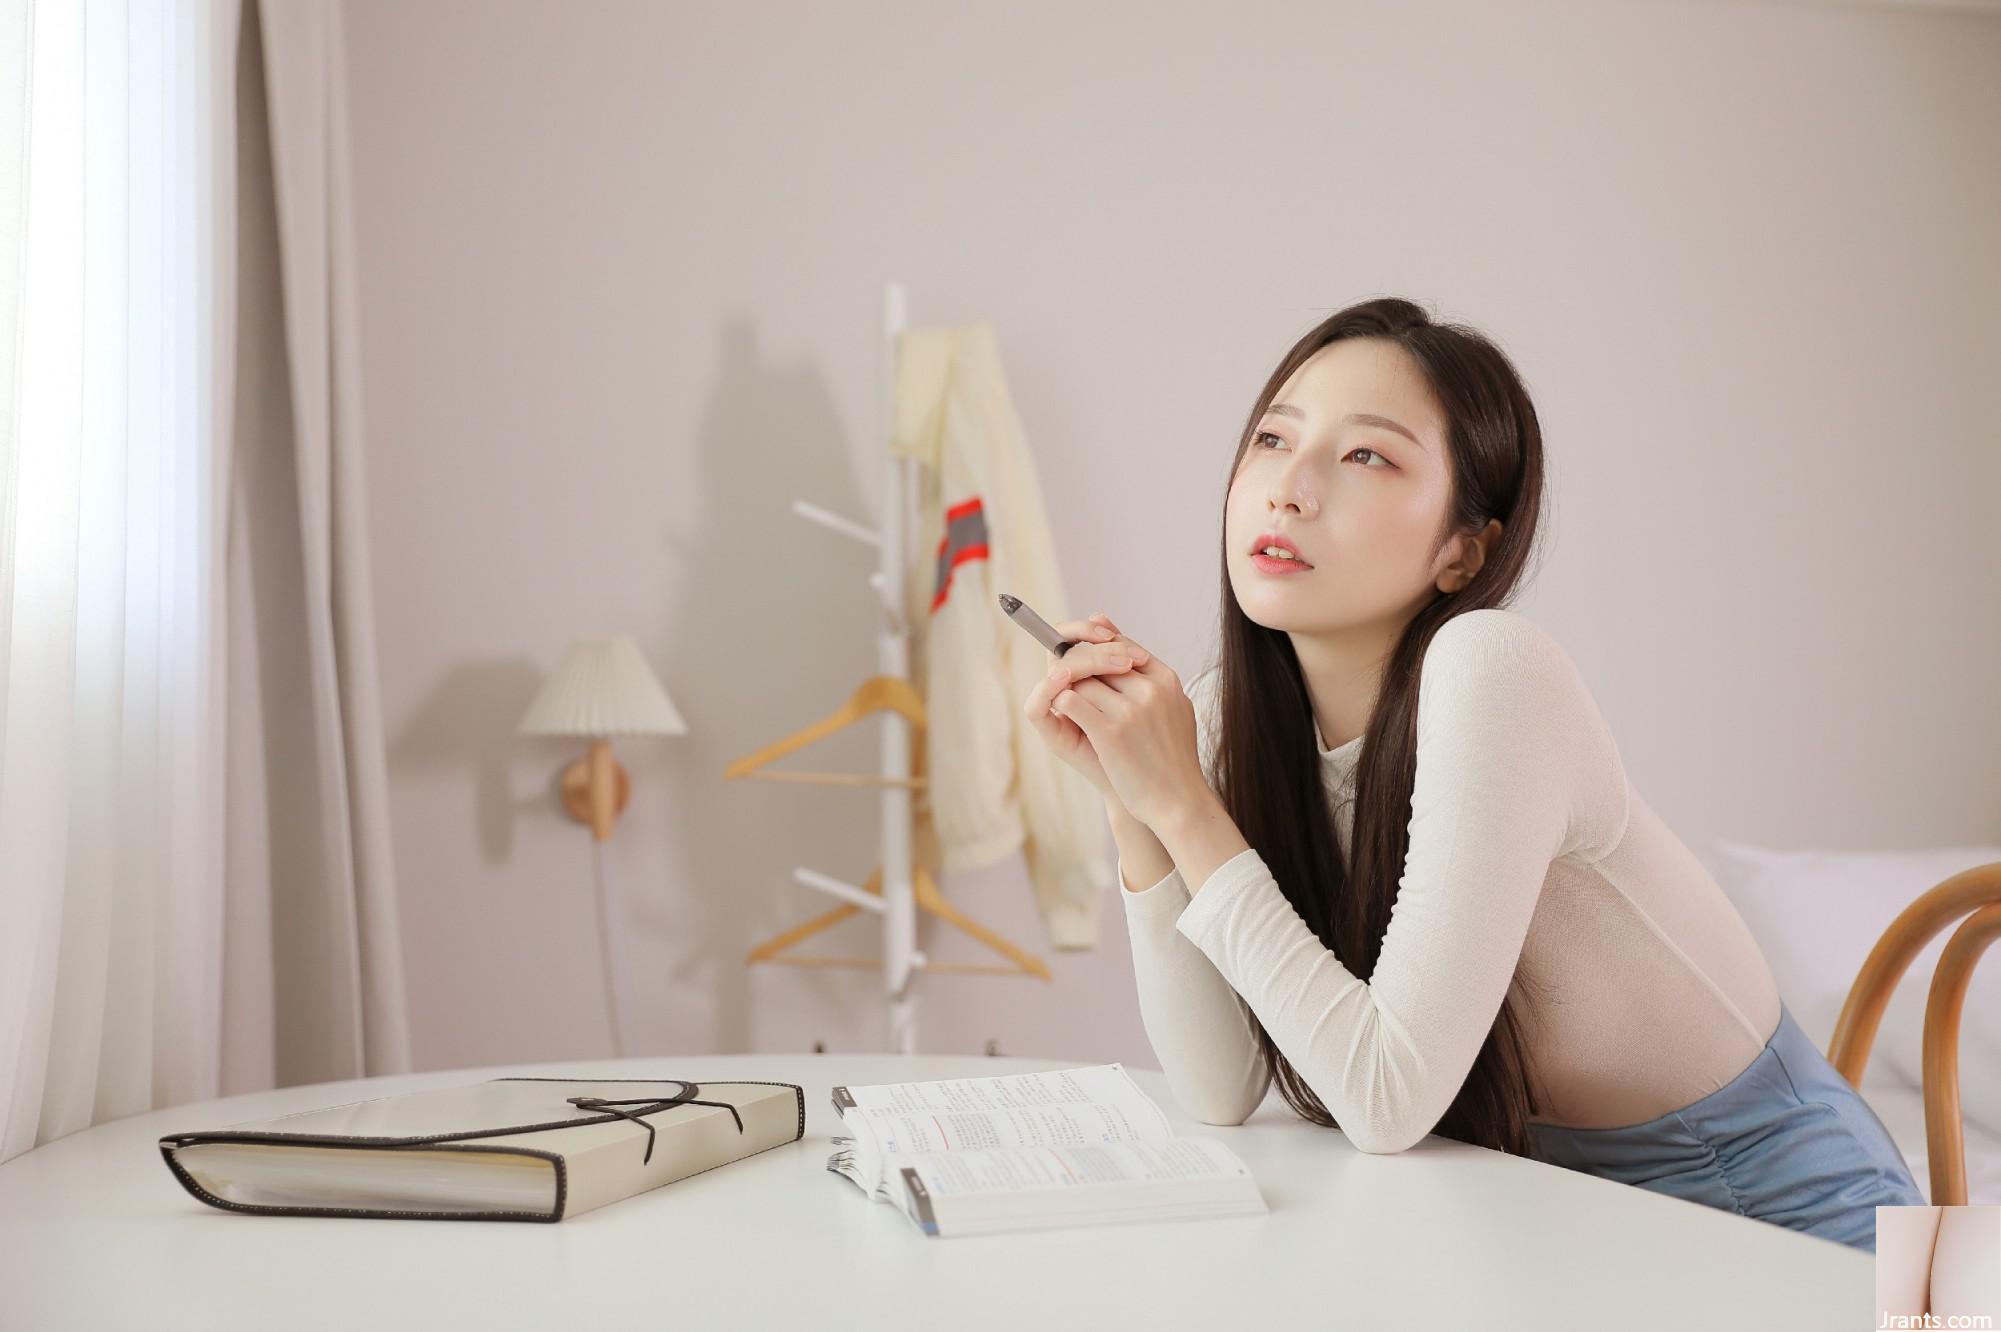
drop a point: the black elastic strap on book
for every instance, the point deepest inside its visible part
(686, 1096)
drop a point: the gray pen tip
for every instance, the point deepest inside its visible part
(1010, 604)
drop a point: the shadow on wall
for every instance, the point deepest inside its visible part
(767, 623)
(771, 624)
(466, 726)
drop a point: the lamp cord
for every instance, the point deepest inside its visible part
(607, 938)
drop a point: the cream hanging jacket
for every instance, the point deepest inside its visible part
(993, 786)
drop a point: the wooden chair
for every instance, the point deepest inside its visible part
(1976, 891)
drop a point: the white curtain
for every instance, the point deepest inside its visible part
(313, 967)
(195, 891)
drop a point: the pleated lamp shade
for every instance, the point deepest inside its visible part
(603, 688)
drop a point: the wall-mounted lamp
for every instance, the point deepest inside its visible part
(603, 688)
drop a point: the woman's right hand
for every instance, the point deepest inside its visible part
(1100, 650)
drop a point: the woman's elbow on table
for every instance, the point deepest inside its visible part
(1224, 1102)
(1222, 1114)
(1386, 1141)
(1225, 1111)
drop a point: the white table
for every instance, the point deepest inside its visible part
(96, 1233)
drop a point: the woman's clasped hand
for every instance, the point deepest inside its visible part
(1117, 714)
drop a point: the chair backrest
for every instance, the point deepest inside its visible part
(1976, 895)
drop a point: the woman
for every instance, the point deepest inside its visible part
(1385, 850)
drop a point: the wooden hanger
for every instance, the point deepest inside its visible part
(928, 899)
(873, 695)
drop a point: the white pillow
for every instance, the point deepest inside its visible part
(1816, 915)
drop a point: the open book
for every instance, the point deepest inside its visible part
(1028, 1151)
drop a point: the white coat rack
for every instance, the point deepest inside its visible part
(897, 905)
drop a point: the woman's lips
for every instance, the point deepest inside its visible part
(1266, 564)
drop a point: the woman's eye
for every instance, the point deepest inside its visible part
(1262, 435)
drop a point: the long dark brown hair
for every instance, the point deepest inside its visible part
(1268, 765)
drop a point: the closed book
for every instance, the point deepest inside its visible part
(507, 1149)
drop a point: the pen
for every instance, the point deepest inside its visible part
(1038, 628)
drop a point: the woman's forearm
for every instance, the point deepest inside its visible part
(1199, 1029)
(1142, 859)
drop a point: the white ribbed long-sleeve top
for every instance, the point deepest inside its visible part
(1527, 843)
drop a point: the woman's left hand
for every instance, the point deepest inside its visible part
(1141, 725)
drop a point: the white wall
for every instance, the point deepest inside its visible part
(621, 270)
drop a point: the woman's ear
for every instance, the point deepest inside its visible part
(1471, 554)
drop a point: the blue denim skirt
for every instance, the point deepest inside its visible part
(1786, 1141)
